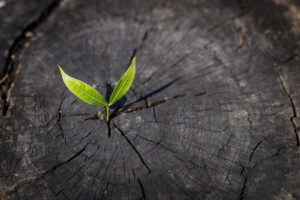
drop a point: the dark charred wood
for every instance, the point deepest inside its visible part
(213, 112)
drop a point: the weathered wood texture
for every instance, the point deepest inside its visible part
(18, 21)
(15, 15)
(214, 108)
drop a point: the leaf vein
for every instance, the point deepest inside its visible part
(123, 85)
(88, 94)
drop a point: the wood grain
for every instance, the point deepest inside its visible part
(212, 114)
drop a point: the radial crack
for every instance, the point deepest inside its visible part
(54, 167)
(142, 188)
(241, 196)
(133, 147)
(139, 46)
(105, 191)
(60, 126)
(154, 115)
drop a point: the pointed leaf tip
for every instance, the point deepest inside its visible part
(124, 83)
(82, 90)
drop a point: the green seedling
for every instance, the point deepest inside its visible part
(89, 95)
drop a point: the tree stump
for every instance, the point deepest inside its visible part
(14, 17)
(212, 114)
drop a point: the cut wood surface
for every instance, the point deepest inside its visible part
(213, 112)
(15, 15)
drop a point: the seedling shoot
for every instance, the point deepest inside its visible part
(89, 95)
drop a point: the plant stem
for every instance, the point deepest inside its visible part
(107, 113)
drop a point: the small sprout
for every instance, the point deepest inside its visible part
(89, 95)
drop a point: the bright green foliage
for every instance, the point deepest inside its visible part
(89, 95)
(82, 90)
(124, 84)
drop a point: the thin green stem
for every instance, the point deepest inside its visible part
(107, 113)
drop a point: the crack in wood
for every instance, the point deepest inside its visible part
(157, 143)
(200, 94)
(109, 161)
(133, 147)
(154, 114)
(139, 46)
(241, 196)
(16, 49)
(227, 143)
(142, 188)
(65, 196)
(291, 99)
(105, 190)
(59, 118)
(256, 146)
(98, 170)
(108, 128)
(60, 126)
(53, 168)
(127, 109)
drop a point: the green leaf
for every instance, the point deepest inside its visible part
(82, 90)
(123, 84)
